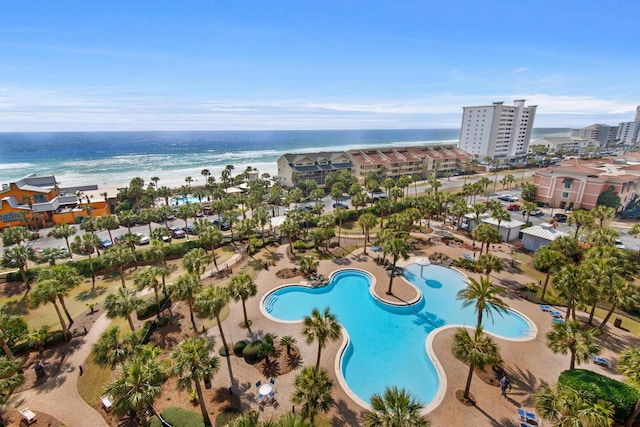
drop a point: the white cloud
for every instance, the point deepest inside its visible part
(520, 70)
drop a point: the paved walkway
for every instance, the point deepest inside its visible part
(58, 396)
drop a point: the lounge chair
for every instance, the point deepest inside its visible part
(27, 415)
(556, 314)
(528, 418)
(468, 257)
(557, 320)
(107, 402)
(275, 404)
(600, 361)
(545, 307)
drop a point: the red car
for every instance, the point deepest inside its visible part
(513, 207)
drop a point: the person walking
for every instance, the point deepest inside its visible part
(504, 383)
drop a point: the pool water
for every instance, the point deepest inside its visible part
(387, 343)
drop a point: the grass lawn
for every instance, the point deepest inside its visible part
(91, 382)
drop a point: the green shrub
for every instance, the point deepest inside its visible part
(238, 347)
(467, 264)
(251, 352)
(150, 308)
(596, 386)
(31, 274)
(226, 416)
(178, 417)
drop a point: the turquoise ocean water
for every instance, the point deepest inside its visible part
(115, 157)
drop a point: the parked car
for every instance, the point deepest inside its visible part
(560, 217)
(190, 229)
(144, 240)
(618, 244)
(105, 243)
(178, 233)
(508, 198)
(513, 207)
(224, 226)
(340, 204)
(536, 212)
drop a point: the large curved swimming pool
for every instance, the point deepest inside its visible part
(386, 342)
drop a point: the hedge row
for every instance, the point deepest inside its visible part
(150, 307)
(599, 387)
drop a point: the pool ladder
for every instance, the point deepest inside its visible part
(270, 301)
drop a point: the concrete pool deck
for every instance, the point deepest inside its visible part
(529, 364)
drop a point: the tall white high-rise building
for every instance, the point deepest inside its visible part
(629, 132)
(497, 130)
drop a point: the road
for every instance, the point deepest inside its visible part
(447, 184)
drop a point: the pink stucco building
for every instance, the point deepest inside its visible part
(577, 184)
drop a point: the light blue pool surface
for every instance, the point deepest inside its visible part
(387, 343)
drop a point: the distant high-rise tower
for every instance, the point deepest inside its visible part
(629, 132)
(637, 119)
(497, 130)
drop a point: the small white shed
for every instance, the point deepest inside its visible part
(540, 235)
(509, 230)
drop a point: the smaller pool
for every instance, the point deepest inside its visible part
(387, 343)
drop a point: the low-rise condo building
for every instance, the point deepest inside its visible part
(37, 201)
(294, 168)
(394, 162)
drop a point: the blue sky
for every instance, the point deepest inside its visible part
(298, 64)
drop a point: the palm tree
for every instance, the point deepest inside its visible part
(629, 366)
(395, 244)
(210, 302)
(211, 236)
(395, 408)
(185, 289)
(241, 288)
(486, 234)
(11, 375)
(108, 222)
(111, 350)
(86, 244)
(321, 327)
(570, 283)
(18, 257)
(620, 293)
(122, 304)
(138, 386)
(582, 219)
(567, 407)
(145, 279)
(484, 297)
(193, 363)
(488, 263)
(119, 256)
(602, 214)
(195, 261)
(46, 291)
(313, 391)
(367, 221)
(308, 265)
(38, 336)
(478, 352)
(8, 322)
(568, 337)
(64, 231)
(288, 341)
(550, 260)
(501, 214)
(290, 228)
(67, 278)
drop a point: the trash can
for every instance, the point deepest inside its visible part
(618, 322)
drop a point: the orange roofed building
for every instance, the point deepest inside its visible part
(577, 184)
(394, 162)
(37, 201)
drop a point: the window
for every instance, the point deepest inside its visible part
(567, 183)
(565, 194)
